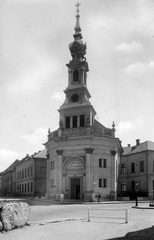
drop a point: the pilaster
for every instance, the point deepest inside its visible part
(89, 169)
(113, 175)
(59, 186)
(48, 179)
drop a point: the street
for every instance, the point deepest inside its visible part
(70, 221)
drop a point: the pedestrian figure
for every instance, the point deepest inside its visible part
(93, 197)
(99, 197)
(61, 197)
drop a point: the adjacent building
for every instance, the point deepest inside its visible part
(83, 155)
(8, 180)
(136, 172)
(26, 177)
(31, 175)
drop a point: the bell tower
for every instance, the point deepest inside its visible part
(77, 111)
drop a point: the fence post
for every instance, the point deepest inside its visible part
(126, 215)
(88, 214)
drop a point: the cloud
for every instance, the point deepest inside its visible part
(58, 96)
(125, 127)
(138, 68)
(132, 47)
(7, 157)
(37, 137)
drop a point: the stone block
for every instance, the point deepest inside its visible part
(14, 215)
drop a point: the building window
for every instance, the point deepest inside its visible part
(67, 120)
(31, 170)
(132, 167)
(25, 187)
(31, 186)
(52, 165)
(102, 183)
(22, 188)
(28, 172)
(52, 183)
(82, 120)
(141, 166)
(123, 186)
(25, 173)
(102, 163)
(74, 121)
(28, 187)
(133, 185)
(123, 168)
(76, 76)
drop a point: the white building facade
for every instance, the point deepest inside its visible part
(83, 155)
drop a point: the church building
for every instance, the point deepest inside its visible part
(82, 154)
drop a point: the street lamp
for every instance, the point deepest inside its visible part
(136, 189)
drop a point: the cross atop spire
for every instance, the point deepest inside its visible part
(77, 26)
(77, 5)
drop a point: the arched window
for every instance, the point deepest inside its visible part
(76, 76)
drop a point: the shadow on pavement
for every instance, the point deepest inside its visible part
(144, 234)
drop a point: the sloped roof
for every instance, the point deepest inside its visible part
(126, 150)
(41, 154)
(148, 145)
(11, 166)
(145, 146)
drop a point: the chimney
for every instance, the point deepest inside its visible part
(137, 142)
(128, 145)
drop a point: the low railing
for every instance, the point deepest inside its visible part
(80, 131)
(92, 210)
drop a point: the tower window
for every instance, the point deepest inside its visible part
(76, 76)
(82, 120)
(67, 122)
(74, 121)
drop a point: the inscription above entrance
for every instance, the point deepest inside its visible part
(75, 165)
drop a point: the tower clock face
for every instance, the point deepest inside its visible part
(75, 98)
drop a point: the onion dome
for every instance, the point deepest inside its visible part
(77, 47)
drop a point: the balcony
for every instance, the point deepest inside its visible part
(82, 131)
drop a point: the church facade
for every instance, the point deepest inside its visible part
(82, 154)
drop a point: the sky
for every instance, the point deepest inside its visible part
(35, 35)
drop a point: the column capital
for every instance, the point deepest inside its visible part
(113, 153)
(89, 150)
(59, 152)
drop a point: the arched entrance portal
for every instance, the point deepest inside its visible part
(74, 174)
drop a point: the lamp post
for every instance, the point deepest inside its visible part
(136, 188)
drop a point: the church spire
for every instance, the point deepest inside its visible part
(77, 26)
